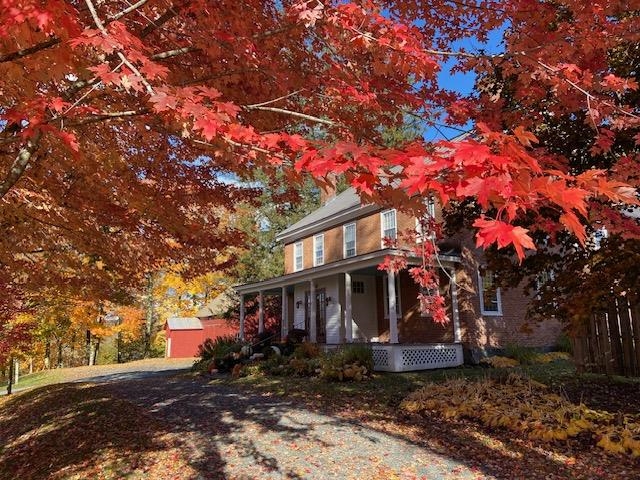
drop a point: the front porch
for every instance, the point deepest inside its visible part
(351, 301)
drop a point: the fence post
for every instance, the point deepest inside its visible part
(627, 338)
(616, 339)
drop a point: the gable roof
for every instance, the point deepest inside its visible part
(344, 207)
(336, 211)
(184, 323)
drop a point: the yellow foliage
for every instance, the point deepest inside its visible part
(528, 408)
(551, 357)
(131, 321)
(500, 362)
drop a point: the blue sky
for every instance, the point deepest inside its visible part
(460, 82)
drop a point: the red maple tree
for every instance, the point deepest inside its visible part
(119, 119)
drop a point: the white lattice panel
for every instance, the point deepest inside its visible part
(403, 358)
(380, 358)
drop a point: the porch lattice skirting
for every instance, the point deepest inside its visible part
(405, 358)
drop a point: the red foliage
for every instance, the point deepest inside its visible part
(245, 88)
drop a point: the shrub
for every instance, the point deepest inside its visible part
(564, 343)
(306, 350)
(218, 353)
(524, 355)
(349, 362)
(219, 347)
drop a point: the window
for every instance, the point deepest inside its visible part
(357, 286)
(388, 224)
(385, 295)
(429, 215)
(318, 250)
(350, 240)
(297, 257)
(490, 303)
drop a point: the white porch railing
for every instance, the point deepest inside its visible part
(405, 358)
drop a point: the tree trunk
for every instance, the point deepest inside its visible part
(16, 371)
(118, 352)
(92, 354)
(89, 348)
(149, 317)
(47, 355)
(60, 363)
(72, 353)
(10, 383)
(96, 347)
(30, 365)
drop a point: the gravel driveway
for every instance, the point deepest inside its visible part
(233, 435)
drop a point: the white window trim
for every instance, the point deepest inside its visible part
(431, 213)
(489, 313)
(385, 296)
(315, 244)
(395, 216)
(295, 256)
(344, 239)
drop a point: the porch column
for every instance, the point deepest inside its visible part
(457, 336)
(260, 311)
(242, 315)
(348, 318)
(312, 312)
(393, 315)
(284, 323)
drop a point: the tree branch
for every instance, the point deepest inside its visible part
(311, 118)
(173, 53)
(256, 105)
(8, 57)
(132, 67)
(157, 23)
(20, 163)
(108, 116)
(127, 10)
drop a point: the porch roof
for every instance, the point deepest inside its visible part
(343, 266)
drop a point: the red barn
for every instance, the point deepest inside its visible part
(184, 334)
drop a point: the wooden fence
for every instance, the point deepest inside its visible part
(610, 343)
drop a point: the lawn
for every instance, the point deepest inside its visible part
(73, 374)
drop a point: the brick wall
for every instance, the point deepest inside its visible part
(413, 327)
(368, 239)
(496, 331)
(333, 245)
(288, 258)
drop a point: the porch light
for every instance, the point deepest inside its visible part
(298, 304)
(327, 301)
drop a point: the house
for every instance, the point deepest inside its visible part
(333, 289)
(185, 334)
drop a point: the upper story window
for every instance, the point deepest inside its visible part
(389, 225)
(318, 249)
(297, 257)
(350, 240)
(422, 225)
(490, 302)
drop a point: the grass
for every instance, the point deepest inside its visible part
(70, 374)
(37, 379)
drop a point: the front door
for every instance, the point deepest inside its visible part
(321, 315)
